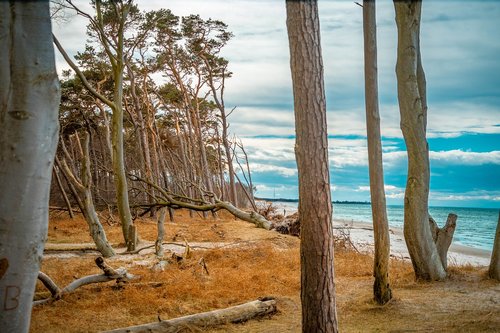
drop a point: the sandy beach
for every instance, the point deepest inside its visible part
(362, 236)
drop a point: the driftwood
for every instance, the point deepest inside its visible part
(62, 247)
(120, 275)
(235, 314)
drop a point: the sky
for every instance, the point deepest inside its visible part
(460, 45)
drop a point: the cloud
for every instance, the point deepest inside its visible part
(460, 55)
(283, 171)
(467, 196)
(453, 157)
(391, 191)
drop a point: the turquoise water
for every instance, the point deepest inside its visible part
(475, 226)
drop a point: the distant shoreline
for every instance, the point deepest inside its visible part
(297, 200)
(362, 235)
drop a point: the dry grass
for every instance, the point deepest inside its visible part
(268, 265)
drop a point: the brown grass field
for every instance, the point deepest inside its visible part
(258, 263)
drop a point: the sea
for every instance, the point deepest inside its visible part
(475, 226)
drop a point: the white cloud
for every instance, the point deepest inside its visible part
(284, 171)
(467, 196)
(391, 191)
(465, 157)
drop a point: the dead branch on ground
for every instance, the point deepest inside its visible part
(120, 275)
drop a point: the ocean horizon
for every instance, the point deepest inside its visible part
(475, 226)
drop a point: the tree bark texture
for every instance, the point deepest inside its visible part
(381, 290)
(29, 100)
(443, 236)
(494, 270)
(235, 314)
(412, 105)
(311, 150)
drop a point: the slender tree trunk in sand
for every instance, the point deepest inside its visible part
(413, 109)
(381, 290)
(29, 100)
(494, 270)
(311, 150)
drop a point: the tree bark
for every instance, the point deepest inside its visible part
(63, 192)
(29, 100)
(494, 270)
(311, 150)
(411, 95)
(443, 236)
(235, 314)
(381, 290)
(161, 232)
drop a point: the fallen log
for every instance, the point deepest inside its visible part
(235, 314)
(68, 247)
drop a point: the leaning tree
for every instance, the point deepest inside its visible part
(29, 100)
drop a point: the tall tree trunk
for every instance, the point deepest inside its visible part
(381, 290)
(29, 100)
(311, 149)
(116, 57)
(412, 105)
(494, 270)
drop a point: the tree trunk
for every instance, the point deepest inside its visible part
(161, 232)
(63, 192)
(85, 197)
(119, 163)
(116, 57)
(411, 95)
(443, 236)
(381, 290)
(311, 149)
(29, 100)
(235, 314)
(494, 270)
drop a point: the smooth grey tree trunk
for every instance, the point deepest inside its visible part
(311, 151)
(381, 290)
(413, 109)
(29, 100)
(494, 270)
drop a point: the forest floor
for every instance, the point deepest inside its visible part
(245, 263)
